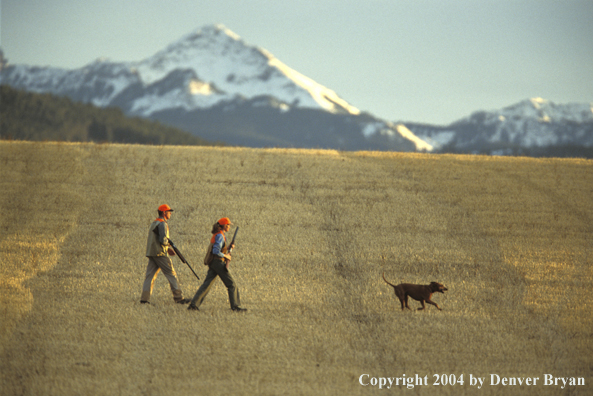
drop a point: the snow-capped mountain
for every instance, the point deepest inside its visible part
(224, 67)
(532, 126)
(206, 67)
(213, 84)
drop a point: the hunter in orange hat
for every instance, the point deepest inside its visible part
(158, 251)
(217, 260)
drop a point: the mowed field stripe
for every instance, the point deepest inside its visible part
(42, 203)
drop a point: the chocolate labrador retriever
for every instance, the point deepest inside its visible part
(420, 293)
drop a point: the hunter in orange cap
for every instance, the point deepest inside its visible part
(217, 260)
(157, 251)
(224, 221)
(165, 208)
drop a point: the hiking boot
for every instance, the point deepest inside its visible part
(239, 309)
(192, 307)
(183, 301)
(144, 302)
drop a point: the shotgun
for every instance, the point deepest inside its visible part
(183, 260)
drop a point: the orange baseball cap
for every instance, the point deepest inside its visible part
(165, 208)
(224, 221)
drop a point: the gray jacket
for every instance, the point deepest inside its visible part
(157, 245)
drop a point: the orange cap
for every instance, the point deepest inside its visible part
(224, 221)
(165, 208)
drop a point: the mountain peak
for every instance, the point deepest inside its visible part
(218, 56)
(218, 29)
(538, 101)
(209, 35)
(544, 110)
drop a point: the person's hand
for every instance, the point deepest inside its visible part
(171, 252)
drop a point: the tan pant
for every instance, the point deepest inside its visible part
(155, 265)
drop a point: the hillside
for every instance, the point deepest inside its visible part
(509, 237)
(46, 117)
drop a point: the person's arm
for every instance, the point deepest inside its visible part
(162, 234)
(217, 247)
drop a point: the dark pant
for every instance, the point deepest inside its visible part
(218, 268)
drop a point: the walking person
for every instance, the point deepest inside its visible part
(157, 251)
(218, 265)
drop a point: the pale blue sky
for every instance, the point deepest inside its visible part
(432, 61)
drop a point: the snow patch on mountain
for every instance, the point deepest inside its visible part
(325, 97)
(436, 140)
(421, 144)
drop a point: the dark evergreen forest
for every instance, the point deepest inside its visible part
(46, 117)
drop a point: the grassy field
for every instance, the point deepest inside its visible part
(510, 237)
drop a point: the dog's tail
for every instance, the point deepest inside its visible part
(386, 281)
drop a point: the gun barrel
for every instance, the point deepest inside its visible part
(233, 241)
(183, 260)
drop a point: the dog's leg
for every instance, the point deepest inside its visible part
(407, 306)
(402, 302)
(433, 303)
(423, 306)
(401, 295)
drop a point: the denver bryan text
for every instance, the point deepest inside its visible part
(549, 380)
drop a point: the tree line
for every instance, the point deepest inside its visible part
(46, 117)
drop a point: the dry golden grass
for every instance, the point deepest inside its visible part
(509, 237)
